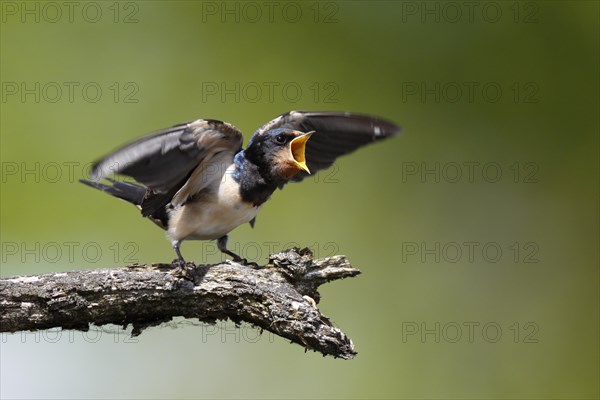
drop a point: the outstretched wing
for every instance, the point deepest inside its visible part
(162, 159)
(336, 134)
(166, 161)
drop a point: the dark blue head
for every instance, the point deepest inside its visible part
(279, 153)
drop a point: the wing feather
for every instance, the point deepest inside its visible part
(171, 163)
(164, 158)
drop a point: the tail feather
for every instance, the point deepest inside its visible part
(127, 191)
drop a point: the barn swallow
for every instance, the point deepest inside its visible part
(195, 180)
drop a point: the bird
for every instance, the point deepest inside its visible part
(197, 182)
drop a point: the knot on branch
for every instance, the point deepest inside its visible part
(279, 297)
(307, 274)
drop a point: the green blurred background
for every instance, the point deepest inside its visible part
(507, 88)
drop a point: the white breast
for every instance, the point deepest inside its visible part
(217, 212)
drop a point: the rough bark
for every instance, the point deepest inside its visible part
(280, 297)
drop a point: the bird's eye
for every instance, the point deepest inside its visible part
(280, 139)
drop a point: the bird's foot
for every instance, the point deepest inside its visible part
(182, 270)
(243, 261)
(222, 245)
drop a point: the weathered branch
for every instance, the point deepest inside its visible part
(279, 297)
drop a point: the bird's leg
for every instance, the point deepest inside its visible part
(180, 260)
(182, 269)
(222, 245)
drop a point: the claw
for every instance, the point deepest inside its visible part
(181, 269)
(243, 261)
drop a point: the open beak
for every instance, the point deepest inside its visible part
(298, 147)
